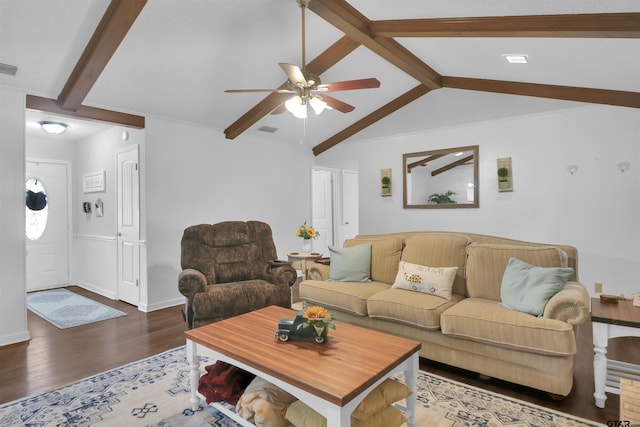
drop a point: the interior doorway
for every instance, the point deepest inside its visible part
(334, 206)
(128, 236)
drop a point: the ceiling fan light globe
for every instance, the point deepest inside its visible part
(318, 105)
(296, 107)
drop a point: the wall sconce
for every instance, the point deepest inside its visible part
(572, 169)
(385, 182)
(623, 166)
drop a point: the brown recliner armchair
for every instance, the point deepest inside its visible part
(230, 268)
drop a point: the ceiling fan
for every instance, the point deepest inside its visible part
(307, 89)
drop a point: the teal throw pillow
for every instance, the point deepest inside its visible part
(528, 288)
(350, 264)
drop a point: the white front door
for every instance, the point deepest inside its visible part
(128, 236)
(47, 224)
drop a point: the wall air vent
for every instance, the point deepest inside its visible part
(267, 129)
(10, 70)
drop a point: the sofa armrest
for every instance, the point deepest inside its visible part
(570, 305)
(191, 282)
(318, 271)
(280, 273)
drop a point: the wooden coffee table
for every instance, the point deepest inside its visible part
(331, 378)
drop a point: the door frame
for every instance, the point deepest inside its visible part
(68, 165)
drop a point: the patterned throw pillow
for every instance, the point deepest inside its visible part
(436, 281)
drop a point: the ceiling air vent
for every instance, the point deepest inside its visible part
(267, 129)
(8, 69)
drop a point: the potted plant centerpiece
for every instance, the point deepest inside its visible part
(311, 324)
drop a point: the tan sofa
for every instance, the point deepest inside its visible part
(471, 330)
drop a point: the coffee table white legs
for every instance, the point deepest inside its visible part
(410, 378)
(600, 341)
(194, 373)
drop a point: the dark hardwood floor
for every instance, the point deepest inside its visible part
(57, 357)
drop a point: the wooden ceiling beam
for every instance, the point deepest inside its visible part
(347, 19)
(116, 22)
(596, 25)
(319, 65)
(370, 119)
(84, 112)
(568, 93)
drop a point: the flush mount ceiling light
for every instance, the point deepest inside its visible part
(515, 58)
(53, 127)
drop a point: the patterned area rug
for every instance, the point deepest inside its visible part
(155, 392)
(66, 309)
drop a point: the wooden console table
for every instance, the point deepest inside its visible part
(611, 321)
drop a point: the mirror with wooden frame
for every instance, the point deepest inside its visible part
(441, 179)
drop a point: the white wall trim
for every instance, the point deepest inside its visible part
(15, 338)
(94, 237)
(161, 304)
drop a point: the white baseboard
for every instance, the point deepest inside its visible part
(15, 338)
(95, 289)
(160, 305)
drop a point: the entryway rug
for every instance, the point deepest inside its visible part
(66, 309)
(155, 392)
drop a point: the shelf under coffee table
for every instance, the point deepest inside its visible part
(332, 378)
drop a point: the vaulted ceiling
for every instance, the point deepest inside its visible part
(440, 62)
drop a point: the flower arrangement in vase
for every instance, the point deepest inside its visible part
(307, 233)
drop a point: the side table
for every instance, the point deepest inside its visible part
(301, 258)
(612, 321)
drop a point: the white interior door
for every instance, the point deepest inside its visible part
(47, 256)
(322, 209)
(128, 236)
(350, 212)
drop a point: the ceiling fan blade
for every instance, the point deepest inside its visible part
(279, 109)
(294, 73)
(258, 90)
(370, 83)
(336, 104)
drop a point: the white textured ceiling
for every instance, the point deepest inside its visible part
(179, 57)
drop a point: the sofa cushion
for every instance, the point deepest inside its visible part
(421, 278)
(528, 288)
(487, 262)
(350, 264)
(408, 307)
(385, 256)
(347, 296)
(485, 321)
(439, 250)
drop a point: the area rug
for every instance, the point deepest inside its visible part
(66, 309)
(155, 392)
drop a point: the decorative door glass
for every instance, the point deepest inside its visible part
(36, 209)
